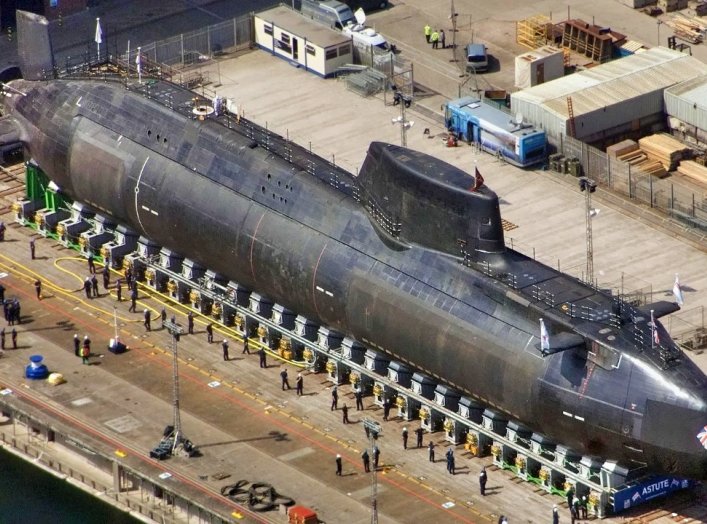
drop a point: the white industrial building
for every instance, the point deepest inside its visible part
(289, 35)
(539, 66)
(610, 100)
(686, 106)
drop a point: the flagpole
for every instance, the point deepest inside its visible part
(138, 62)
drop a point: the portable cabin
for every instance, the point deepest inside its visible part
(301, 41)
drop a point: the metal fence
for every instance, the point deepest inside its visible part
(198, 46)
(674, 199)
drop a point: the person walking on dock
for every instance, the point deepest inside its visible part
(163, 317)
(87, 287)
(405, 437)
(299, 385)
(450, 461)
(441, 38)
(345, 414)
(2, 338)
(419, 432)
(133, 300)
(224, 346)
(106, 276)
(483, 478)
(376, 456)
(38, 288)
(91, 264)
(434, 39)
(338, 465)
(428, 32)
(366, 461)
(94, 285)
(190, 323)
(431, 451)
(334, 398)
(359, 398)
(209, 333)
(386, 408)
(77, 344)
(119, 290)
(2, 231)
(31, 248)
(85, 350)
(555, 515)
(246, 349)
(261, 356)
(146, 314)
(283, 379)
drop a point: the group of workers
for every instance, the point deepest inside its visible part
(435, 37)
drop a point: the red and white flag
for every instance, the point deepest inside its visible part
(544, 337)
(677, 291)
(478, 180)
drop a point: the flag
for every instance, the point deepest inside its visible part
(677, 291)
(544, 338)
(654, 331)
(478, 180)
(702, 437)
(99, 33)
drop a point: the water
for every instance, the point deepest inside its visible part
(29, 494)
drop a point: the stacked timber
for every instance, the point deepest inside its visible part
(688, 28)
(694, 171)
(628, 151)
(665, 149)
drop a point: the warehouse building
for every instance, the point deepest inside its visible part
(289, 35)
(686, 106)
(619, 99)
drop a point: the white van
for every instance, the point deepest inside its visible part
(329, 12)
(365, 36)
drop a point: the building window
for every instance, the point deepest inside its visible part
(267, 28)
(310, 50)
(285, 38)
(344, 50)
(331, 53)
(285, 46)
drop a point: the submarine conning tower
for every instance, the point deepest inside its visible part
(420, 199)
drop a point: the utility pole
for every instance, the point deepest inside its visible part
(589, 186)
(175, 330)
(373, 429)
(404, 123)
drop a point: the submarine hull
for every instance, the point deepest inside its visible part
(210, 194)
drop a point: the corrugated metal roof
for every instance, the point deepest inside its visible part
(694, 90)
(688, 102)
(614, 82)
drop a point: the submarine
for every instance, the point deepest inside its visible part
(408, 257)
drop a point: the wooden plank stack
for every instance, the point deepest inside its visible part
(665, 149)
(694, 171)
(688, 28)
(629, 152)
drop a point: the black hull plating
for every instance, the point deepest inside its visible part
(208, 194)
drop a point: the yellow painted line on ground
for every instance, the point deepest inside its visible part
(29, 276)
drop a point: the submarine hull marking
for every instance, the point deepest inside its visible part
(252, 246)
(314, 280)
(137, 193)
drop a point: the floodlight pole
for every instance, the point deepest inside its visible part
(175, 330)
(373, 429)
